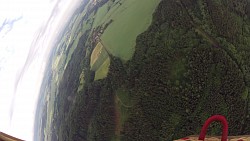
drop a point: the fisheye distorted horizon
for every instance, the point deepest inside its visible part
(27, 31)
(123, 69)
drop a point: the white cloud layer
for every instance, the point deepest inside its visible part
(27, 31)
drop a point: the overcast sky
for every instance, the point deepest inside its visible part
(27, 31)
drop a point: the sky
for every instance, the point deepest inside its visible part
(27, 31)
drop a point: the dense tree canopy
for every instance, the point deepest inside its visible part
(192, 62)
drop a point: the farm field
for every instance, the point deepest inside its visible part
(149, 70)
(129, 20)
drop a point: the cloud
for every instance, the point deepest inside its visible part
(26, 40)
(9, 23)
(29, 73)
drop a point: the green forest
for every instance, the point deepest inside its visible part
(193, 61)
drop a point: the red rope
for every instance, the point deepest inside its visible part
(224, 123)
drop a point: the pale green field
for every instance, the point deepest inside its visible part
(99, 17)
(103, 70)
(100, 60)
(130, 19)
(95, 54)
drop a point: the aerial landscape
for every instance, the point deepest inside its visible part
(147, 70)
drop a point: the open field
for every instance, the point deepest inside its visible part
(131, 18)
(102, 71)
(95, 54)
(98, 57)
(176, 68)
(99, 17)
(99, 61)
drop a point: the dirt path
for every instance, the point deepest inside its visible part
(118, 126)
(206, 36)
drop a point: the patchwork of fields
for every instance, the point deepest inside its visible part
(128, 70)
